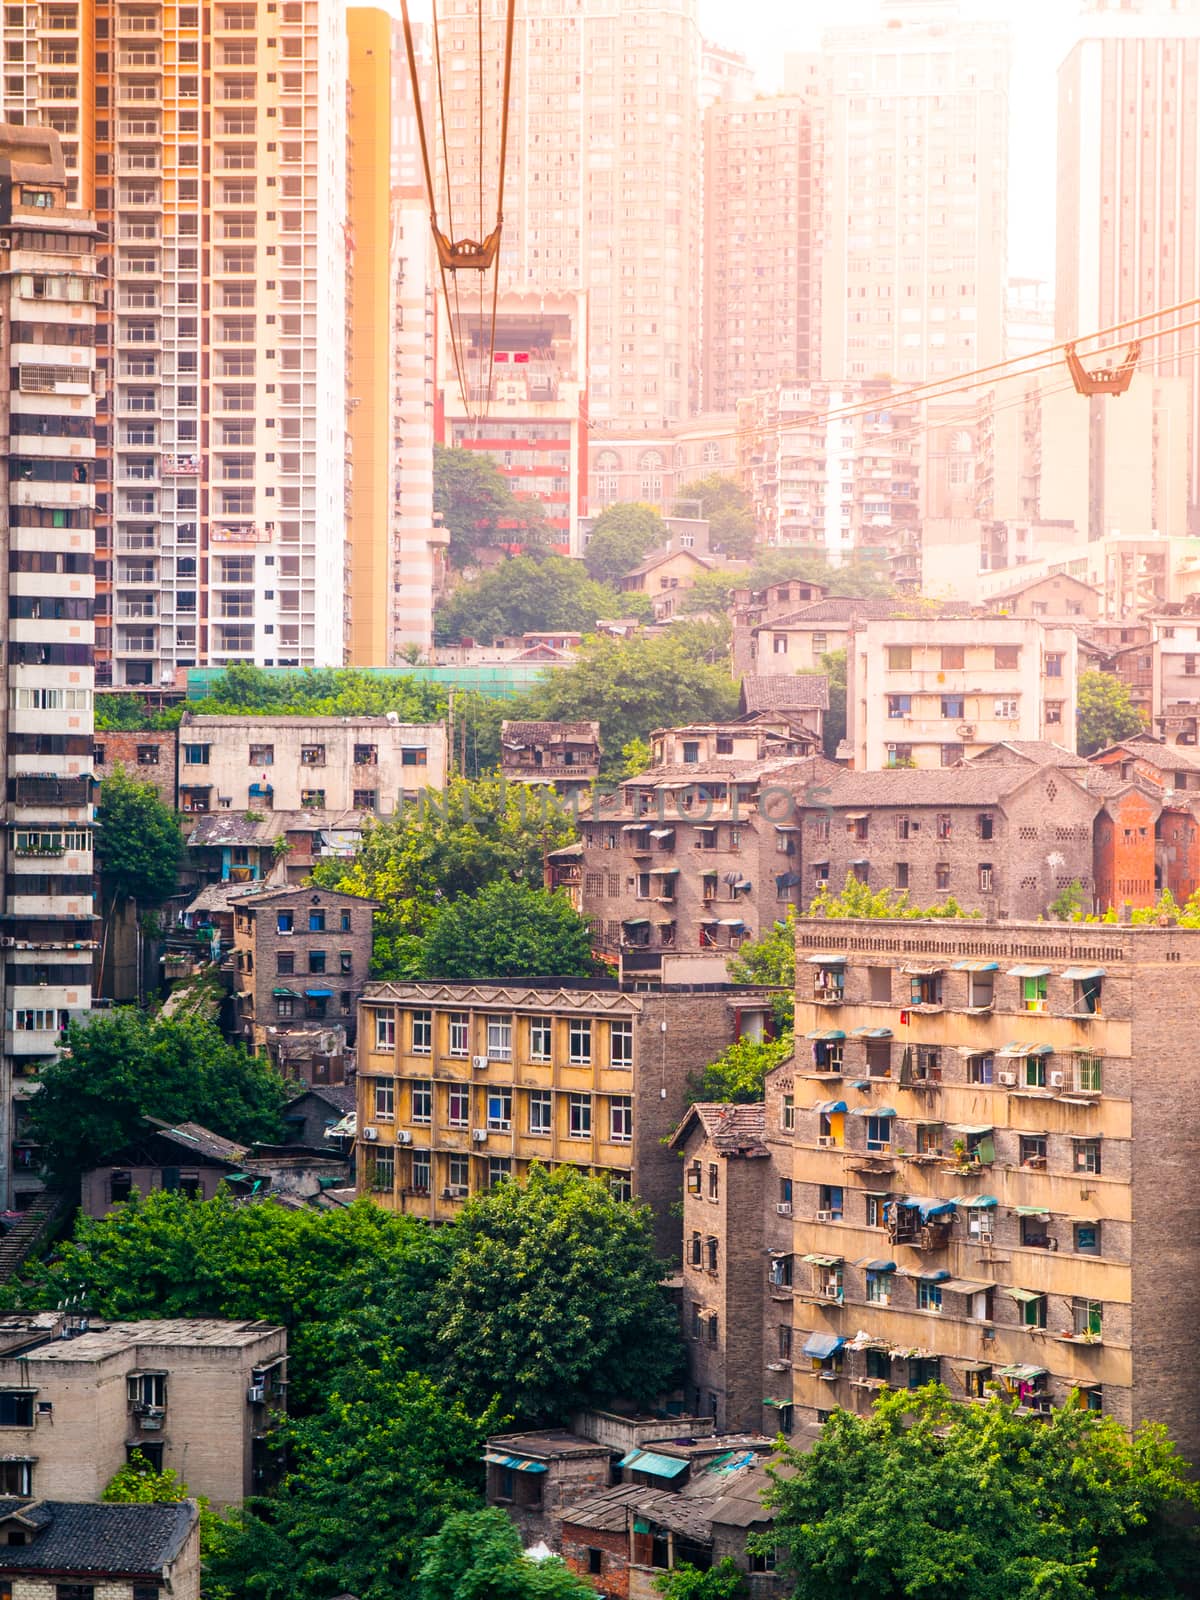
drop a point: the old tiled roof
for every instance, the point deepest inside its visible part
(837, 608)
(217, 828)
(1042, 752)
(1170, 757)
(200, 1141)
(1033, 583)
(609, 1511)
(340, 1095)
(67, 1537)
(804, 691)
(984, 784)
(553, 732)
(657, 558)
(220, 896)
(734, 1129)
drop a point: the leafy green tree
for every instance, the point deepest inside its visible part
(728, 510)
(860, 900)
(448, 845)
(1066, 1506)
(370, 1478)
(1067, 905)
(523, 594)
(770, 959)
(833, 728)
(1105, 714)
(477, 1555)
(553, 1301)
(854, 579)
(246, 691)
(128, 713)
(723, 1582)
(137, 1483)
(622, 537)
(507, 930)
(636, 757)
(123, 1066)
(710, 593)
(138, 842)
(633, 686)
(739, 1072)
(478, 507)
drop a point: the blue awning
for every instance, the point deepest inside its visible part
(876, 1266)
(319, 994)
(658, 1466)
(1083, 974)
(975, 966)
(977, 1202)
(828, 1107)
(1029, 972)
(823, 1345)
(870, 1033)
(927, 1207)
(870, 1111)
(828, 1035)
(516, 1463)
(940, 1276)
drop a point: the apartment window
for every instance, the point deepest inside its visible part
(879, 1133)
(1054, 664)
(985, 877)
(499, 1110)
(695, 1306)
(981, 1069)
(879, 1283)
(1089, 1074)
(16, 1478)
(422, 1100)
(829, 1201)
(899, 658)
(621, 1119)
(460, 1028)
(385, 1030)
(1033, 1309)
(385, 1099)
(929, 1296)
(499, 1170)
(541, 1111)
(951, 755)
(620, 1044)
(383, 1173)
(1035, 1072)
(316, 922)
(779, 644)
(953, 707)
(1006, 710)
(579, 1116)
(316, 961)
(580, 1042)
(899, 705)
(1031, 1150)
(422, 1033)
(262, 755)
(499, 1038)
(1008, 657)
(541, 1034)
(312, 755)
(16, 1408)
(1054, 712)
(714, 1181)
(195, 755)
(458, 1106)
(941, 875)
(285, 921)
(953, 657)
(787, 1114)
(1086, 1238)
(1034, 991)
(345, 922)
(1086, 1155)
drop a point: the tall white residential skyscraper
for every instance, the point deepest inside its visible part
(213, 138)
(916, 194)
(603, 180)
(1128, 167)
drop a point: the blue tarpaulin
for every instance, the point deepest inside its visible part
(823, 1345)
(658, 1466)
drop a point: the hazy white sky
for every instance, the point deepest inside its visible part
(765, 30)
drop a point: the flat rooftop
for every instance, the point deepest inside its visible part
(185, 1333)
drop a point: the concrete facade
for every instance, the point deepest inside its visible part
(932, 691)
(461, 1086)
(194, 1396)
(292, 763)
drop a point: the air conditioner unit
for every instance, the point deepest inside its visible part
(1056, 1080)
(824, 1216)
(1008, 1078)
(256, 1394)
(784, 1208)
(403, 1136)
(985, 1237)
(827, 1141)
(479, 1061)
(479, 1135)
(370, 1134)
(447, 1194)
(832, 1292)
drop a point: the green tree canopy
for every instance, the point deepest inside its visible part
(449, 845)
(632, 686)
(123, 1066)
(951, 1502)
(739, 1072)
(770, 959)
(477, 1555)
(507, 930)
(128, 713)
(1105, 713)
(553, 1301)
(728, 510)
(833, 728)
(524, 593)
(852, 578)
(859, 900)
(623, 536)
(479, 508)
(725, 1581)
(138, 842)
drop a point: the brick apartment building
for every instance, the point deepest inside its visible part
(954, 1190)
(148, 755)
(302, 957)
(461, 1086)
(565, 754)
(683, 858)
(195, 1396)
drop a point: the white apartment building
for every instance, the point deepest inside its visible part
(916, 194)
(603, 183)
(294, 763)
(48, 295)
(214, 139)
(932, 691)
(1128, 162)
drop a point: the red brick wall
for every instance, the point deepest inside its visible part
(121, 749)
(614, 1575)
(1124, 852)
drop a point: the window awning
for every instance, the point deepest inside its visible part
(875, 1266)
(1032, 1211)
(658, 1466)
(1026, 1297)
(635, 922)
(964, 1286)
(516, 1463)
(927, 1206)
(1022, 1374)
(281, 994)
(971, 1127)
(777, 1405)
(787, 827)
(871, 1111)
(829, 1108)
(662, 833)
(826, 961)
(860, 861)
(823, 1345)
(1029, 972)
(977, 1202)
(633, 827)
(827, 1035)
(1081, 974)
(921, 969)
(870, 1033)
(664, 872)
(823, 1261)
(730, 922)
(938, 1276)
(319, 994)
(1021, 1047)
(975, 966)
(856, 816)
(973, 1366)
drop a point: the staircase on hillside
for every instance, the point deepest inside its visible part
(29, 1230)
